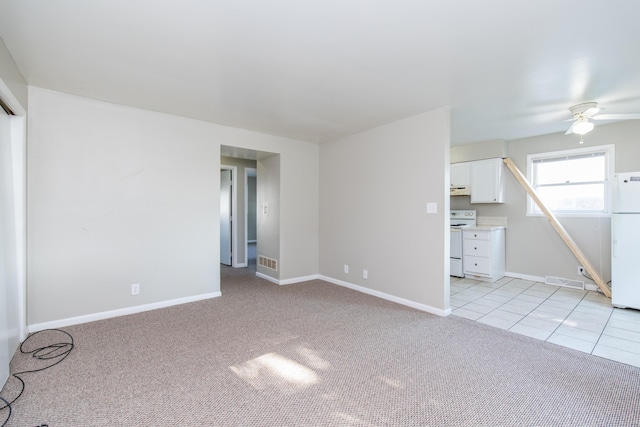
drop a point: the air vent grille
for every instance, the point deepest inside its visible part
(269, 263)
(559, 281)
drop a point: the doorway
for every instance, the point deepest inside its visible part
(250, 232)
(227, 210)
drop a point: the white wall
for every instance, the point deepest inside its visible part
(13, 87)
(268, 225)
(374, 188)
(251, 208)
(120, 195)
(533, 247)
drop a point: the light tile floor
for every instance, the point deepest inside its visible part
(582, 320)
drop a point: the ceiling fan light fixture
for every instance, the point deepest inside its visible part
(583, 126)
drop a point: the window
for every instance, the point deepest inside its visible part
(572, 182)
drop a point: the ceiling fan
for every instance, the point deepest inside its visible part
(585, 112)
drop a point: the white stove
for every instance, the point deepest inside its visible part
(459, 219)
(462, 218)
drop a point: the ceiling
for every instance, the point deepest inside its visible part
(320, 70)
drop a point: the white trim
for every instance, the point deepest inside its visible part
(609, 155)
(591, 287)
(246, 213)
(269, 278)
(392, 298)
(299, 279)
(524, 276)
(19, 161)
(240, 265)
(587, 286)
(289, 281)
(234, 213)
(120, 312)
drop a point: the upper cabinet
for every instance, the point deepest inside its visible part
(460, 174)
(487, 181)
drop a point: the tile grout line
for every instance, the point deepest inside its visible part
(567, 316)
(538, 306)
(546, 299)
(506, 302)
(602, 333)
(488, 293)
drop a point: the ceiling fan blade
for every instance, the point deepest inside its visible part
(570, 130)
(635, 116)
(591, 112)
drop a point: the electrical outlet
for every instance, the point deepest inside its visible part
(346, 268)
(135, 289)
(365, 274)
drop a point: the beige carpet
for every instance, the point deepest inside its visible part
(314, 354)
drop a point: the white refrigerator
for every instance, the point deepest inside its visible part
(625, 241)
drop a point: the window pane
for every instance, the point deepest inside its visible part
(573, 197)
(578, 170)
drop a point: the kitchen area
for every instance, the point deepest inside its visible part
(503, 261)
(477, 243)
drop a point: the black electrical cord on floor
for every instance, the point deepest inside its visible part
(57, 351)
(6, 405)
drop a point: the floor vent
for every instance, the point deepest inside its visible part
(568, 283)
(269, 263)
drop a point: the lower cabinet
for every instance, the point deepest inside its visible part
(483, 254)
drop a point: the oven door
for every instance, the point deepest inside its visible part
(455, 268)
(456, 243)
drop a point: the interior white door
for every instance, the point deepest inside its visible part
(225, 217)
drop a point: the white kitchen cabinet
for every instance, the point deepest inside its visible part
(483, 253)
(459, 173)
(487, 181)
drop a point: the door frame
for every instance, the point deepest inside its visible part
(14, 329)
(247, 171)
(234, 215)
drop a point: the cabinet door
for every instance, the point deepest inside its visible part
(477, 248)
(487, 181)
(477, 265)
(459, 174)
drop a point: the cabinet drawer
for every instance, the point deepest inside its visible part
(477, 235)
(477, 247)
(479, 265)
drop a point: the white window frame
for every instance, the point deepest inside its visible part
(609, 154)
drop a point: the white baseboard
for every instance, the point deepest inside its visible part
(240, 265)
(591, 287)
(300, 279)
(269, 278)
(587, 286)
(288, 281)
(120, 312)
(524, 277)
(392, 298)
